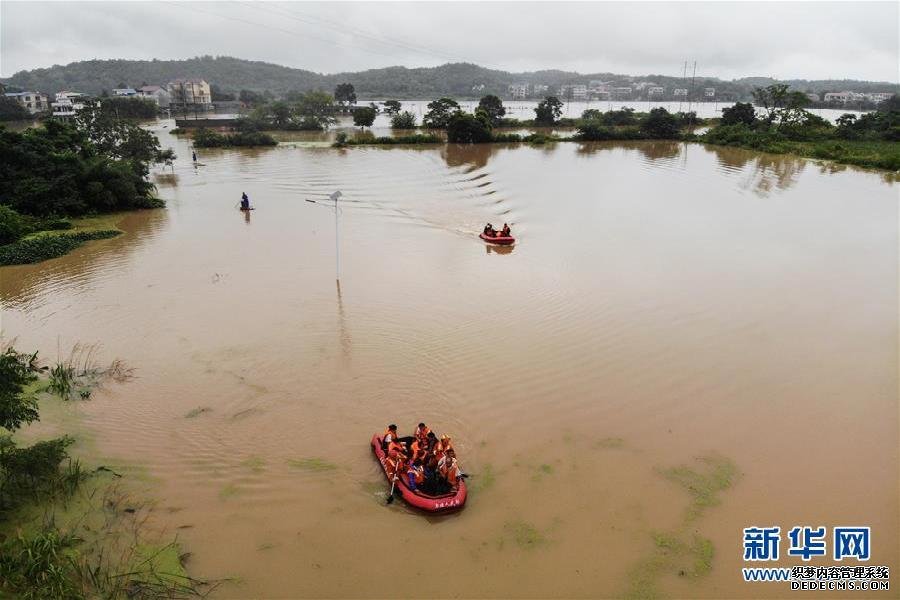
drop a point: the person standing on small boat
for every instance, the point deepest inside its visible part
(506, 231)
(489, 230)
(194, 154)
(245, 201)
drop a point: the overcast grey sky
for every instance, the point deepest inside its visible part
(812, 40)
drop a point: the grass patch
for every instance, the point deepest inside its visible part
(311, 464)
(418, 138)
(254, 463)
(704, 486)
(609, 443)
(229, 491)
(524, 534)
(484, 481)
(196, 412)
(682, 552)
(44, 246)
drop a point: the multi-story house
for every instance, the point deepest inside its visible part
(155, 93)
(33, 102)
(190, 93)
(67, 104)
(518, 90)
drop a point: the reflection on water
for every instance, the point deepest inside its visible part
(494, 249)
(767, 172)
(652, 311)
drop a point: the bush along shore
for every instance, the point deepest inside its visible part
(69, 531)
(57, 172)
(778, 123)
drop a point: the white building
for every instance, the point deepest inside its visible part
(881, 96)
(656, 91)
(680, 92)
(573, 92)
(709, 92)
(155, 93)
(190, 93)
(33, 102)
(540, 89)
(67, 104)
(518, 90)
(621, 92)
(125, 92)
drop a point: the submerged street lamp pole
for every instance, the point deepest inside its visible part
(337, 245)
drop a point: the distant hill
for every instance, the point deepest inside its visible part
(461, 80)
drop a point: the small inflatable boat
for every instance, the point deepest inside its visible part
(498, 239)
(455, 500)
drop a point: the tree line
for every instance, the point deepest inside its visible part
(97, 164)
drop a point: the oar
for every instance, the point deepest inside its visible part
(390, 497)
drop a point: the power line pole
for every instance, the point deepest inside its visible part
(691, 93)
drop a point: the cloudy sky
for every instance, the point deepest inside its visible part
(812, 40)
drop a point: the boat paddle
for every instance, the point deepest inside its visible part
(390, 497)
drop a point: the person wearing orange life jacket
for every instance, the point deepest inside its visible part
(421, 433)
(389, 435)
(418, 451)
(449, 468)
(441, 447)
(415, 474)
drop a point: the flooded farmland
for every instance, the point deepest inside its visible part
(684, 341)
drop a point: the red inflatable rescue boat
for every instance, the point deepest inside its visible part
(455, 500)
(498, 239)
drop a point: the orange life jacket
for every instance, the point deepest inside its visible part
(391, 464)
(450, 470)
(422, 435)
(441, 447)
(396, 449)
(388, 436)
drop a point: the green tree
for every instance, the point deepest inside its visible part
(463, 128)
(16, 371)
(660, 124)
(493, 107)
(10, 110)
(120, 139)
(281, 113)
(364, 116)
(548, 110)
(392, 107)
(741, 112)
(771, 98)
(439, 113)
(344, 94)
(317, 107)
(404, 120)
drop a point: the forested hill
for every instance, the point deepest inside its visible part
(458, 79)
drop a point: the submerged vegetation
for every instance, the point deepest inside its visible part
(207, 138)
(68, 532)
(682, 551)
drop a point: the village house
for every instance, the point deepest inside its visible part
(33, 102)
(155, 93)
(190, 93)
(67, 104)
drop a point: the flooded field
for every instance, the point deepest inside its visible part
(685, 341)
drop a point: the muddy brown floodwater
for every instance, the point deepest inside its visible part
(664, 303)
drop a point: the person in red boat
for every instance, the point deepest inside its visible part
(415, 474)
(489, 230)
(506, 231)
(421, 434)
(449, 468)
